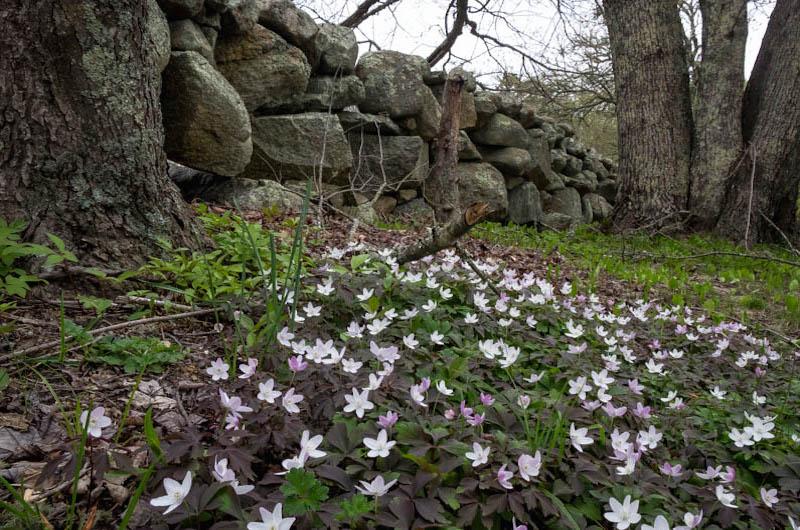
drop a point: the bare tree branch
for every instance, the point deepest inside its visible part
(366, 9)
(443, 49)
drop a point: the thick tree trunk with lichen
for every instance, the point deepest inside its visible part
(653, 110)
(718, 108)
(765, 181)
(80, 130)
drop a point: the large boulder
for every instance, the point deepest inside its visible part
(292, 23)
(540, 155)
(323, 94)
(466, 149)
(468, 117)
(427, 120)
(558, 160)
(393, 82)
(527, 115)
(608, 190)
(573, 147)
(585, 182)
(181, 8)
(573, 166)
(361, 123)
(485, 108)
(335, 50)
(249, 194)
(566, 201)
(550, 181)
(210, 25)
(501, 131)
(393, 162)
(601, 208)
(524, 204)
(186, 36)
(263, 67)
(158, 30)
(481, 182)
(416, 212)
(298, 146)
(511, 161)
(206, 125)
(557, 221)
(240, 18)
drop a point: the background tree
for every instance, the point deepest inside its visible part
(653, 110)
(761, 199)
(80, 129)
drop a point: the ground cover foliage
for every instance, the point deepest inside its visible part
(341, 391)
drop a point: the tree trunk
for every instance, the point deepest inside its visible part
(765, 182)
(718, 109)
(80, 130)
(653, 110)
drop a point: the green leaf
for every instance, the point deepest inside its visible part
(303, 492)
(151, 436)
(354, 508)
(4, 380)
(358, 261)
(99, 305)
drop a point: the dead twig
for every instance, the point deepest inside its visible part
(113, 327)
(648, 255)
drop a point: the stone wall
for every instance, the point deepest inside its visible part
(257, 98)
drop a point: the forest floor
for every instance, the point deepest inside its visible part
(143, 347)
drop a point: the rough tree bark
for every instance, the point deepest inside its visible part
(718, 109)
(80, 130)
(653, 110)
(765, 181)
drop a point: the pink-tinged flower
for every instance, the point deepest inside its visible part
(465, 410)
(529, 466)
(728, 476)
(487, 399)
(690, 521)
(95, 422)
(635, 387)
(670, 470)
(641, 411)
(248, 370)
(218, 370)
(233, 404)
(450, 414)
(591, 406)
(710, 473)
(290, 401)
(760, 371)
(232, 422)
(515, 526)
(769, 497)
(425, 384)
(524, 401)
(614, 412)
(504, 477)
(388, 420)
(476, 419)
(297, 364)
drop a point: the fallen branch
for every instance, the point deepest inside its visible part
(468, 259)
(113, 327)
(664, 257)
(442, 237)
